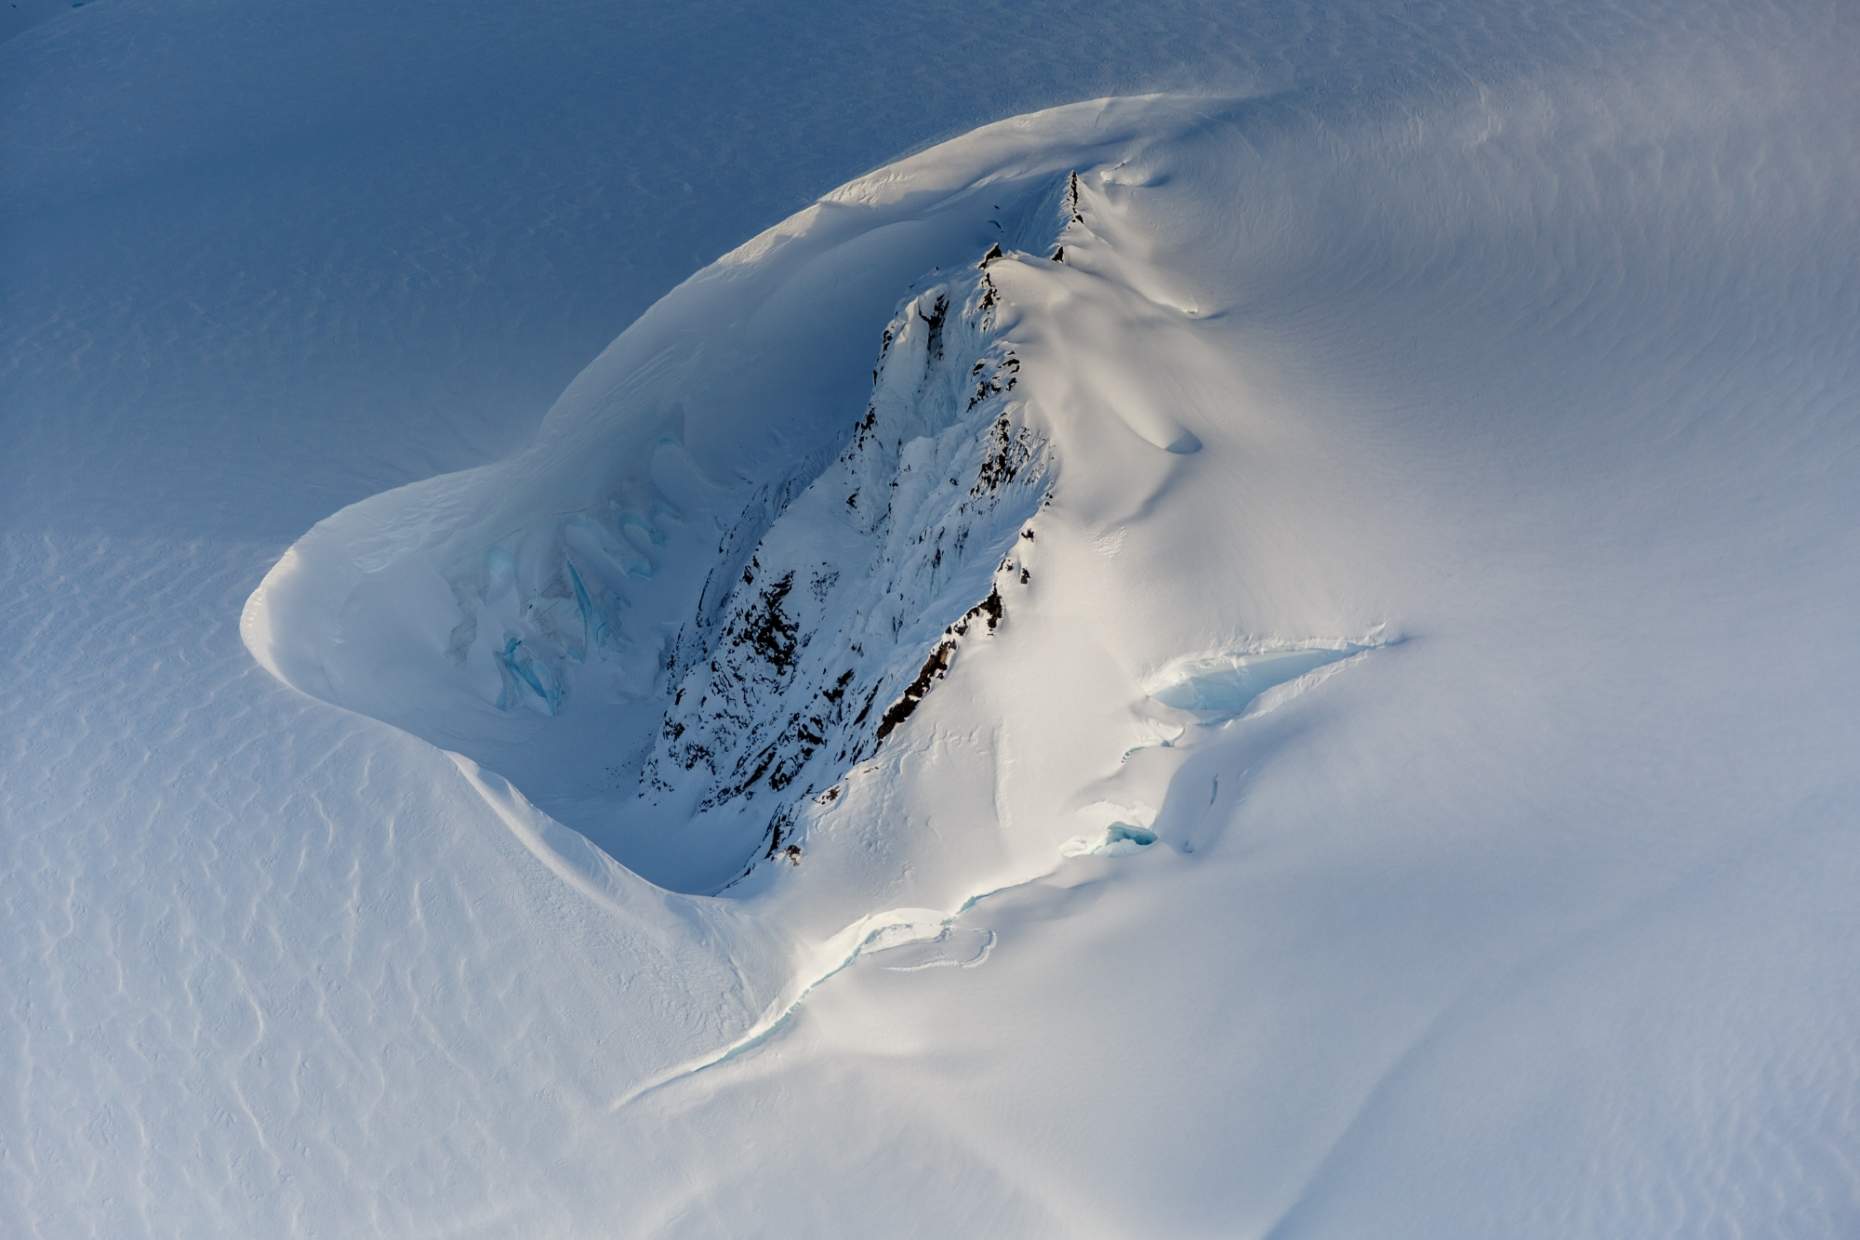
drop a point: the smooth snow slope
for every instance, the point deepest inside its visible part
(1527, 334)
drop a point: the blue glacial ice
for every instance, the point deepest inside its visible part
(1219, 687)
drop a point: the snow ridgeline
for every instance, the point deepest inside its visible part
(681, 666)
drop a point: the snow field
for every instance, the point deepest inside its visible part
(1527, 333)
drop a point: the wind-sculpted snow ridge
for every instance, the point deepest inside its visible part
(682, 617)
(754, 639)
(854, 681)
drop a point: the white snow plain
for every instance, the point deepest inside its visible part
(1368, 816)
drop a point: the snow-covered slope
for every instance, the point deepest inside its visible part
(1221, 628)
(723, 551)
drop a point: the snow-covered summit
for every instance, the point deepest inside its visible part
(679, 649)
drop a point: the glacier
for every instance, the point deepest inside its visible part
(1257, 755)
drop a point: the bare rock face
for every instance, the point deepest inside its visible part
(815, 653)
